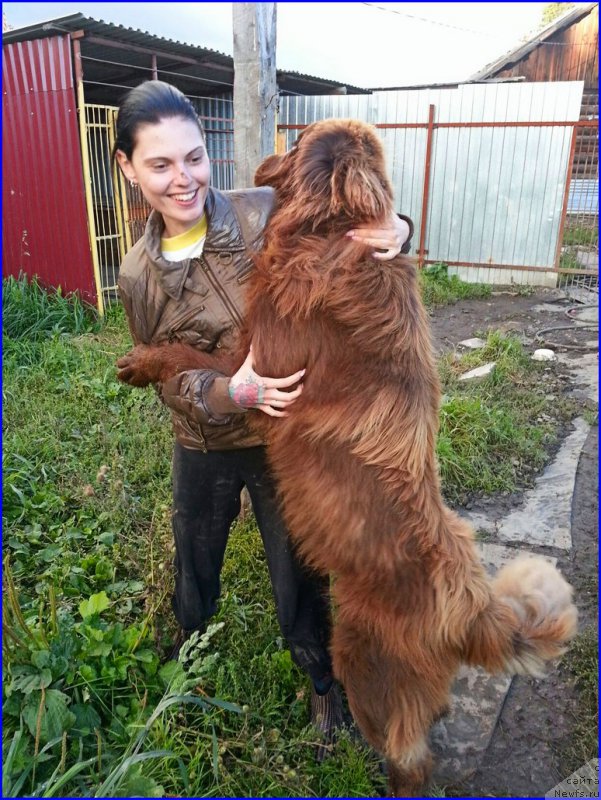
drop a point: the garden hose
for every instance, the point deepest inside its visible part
(578, 326)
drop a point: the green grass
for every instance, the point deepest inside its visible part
(495, 434)
(569, 261)
(30, 312)
(87, 578)
(581, 235)
(440, 288)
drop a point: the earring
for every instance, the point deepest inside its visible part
(133, 183)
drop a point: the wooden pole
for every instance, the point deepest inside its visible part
(255, 88)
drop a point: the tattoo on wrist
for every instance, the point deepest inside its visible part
(247, 394)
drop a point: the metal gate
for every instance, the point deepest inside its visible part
(107, 200)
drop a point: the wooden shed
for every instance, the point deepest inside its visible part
(565, 50)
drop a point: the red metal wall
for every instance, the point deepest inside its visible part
(44, 220)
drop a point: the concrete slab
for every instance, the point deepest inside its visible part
(582, 295)
(478, 372)
(495, 556)
(585, 370)
(551, 308)
(473, 344)
(545, 517)
(586, 314)
(588, 258)
(460, 739)
(480, 522)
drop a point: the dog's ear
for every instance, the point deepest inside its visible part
(269, 172)
(341, 164)
(358, 192)
(359, 185)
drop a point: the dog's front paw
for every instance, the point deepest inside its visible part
(138, 367)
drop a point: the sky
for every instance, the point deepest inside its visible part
(363, 44)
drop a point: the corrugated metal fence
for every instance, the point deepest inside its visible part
(485, 172)
(482, 169)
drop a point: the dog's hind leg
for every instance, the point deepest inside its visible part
(391, 703)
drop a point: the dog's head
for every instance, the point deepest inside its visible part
(335, 171)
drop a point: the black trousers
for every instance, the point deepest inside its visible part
(206, 500)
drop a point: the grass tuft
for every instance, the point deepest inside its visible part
(439, 288)
(30, 312)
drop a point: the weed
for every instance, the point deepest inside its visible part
(495, 434)
(581, 235)
(591, 416)
(583, 662)
(569, 260)
(440, 288)
(30, 312)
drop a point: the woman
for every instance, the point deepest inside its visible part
(184, 281)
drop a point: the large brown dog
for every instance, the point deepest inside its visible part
(355, 458)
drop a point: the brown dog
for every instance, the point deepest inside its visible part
(355, 458)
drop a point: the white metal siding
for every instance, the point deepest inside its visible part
(496, 194)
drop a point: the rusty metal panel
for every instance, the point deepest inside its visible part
(45, 228)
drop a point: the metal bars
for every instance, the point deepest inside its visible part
(107, 204)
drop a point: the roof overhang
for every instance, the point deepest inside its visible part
(120, 57)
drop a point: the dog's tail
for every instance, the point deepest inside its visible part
(529, 620)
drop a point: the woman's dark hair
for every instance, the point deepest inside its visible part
(148, 104)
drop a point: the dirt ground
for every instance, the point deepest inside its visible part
(530, 751)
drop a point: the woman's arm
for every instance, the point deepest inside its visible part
(193, 382)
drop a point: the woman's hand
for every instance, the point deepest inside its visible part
(389, 239)
(249, 390)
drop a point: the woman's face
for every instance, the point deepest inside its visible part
(171, 165)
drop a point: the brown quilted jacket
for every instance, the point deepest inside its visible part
(199, 301)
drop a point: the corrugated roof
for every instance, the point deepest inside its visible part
(518, 53)
(200, 64)
(451, 85)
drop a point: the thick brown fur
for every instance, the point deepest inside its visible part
(355, 458)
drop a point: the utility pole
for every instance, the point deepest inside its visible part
(255, 88)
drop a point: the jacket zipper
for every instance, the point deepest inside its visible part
(221, 294)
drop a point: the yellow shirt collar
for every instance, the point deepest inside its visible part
(187, 238)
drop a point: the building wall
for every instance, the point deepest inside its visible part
(45, 228)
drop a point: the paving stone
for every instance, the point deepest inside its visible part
(545, 518)
(473, 344)
(460, 740)
(480, 522)
(581, 295)
(585, 370)
(479, 372)
(551, 308)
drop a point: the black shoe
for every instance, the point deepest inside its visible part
(327, 717)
